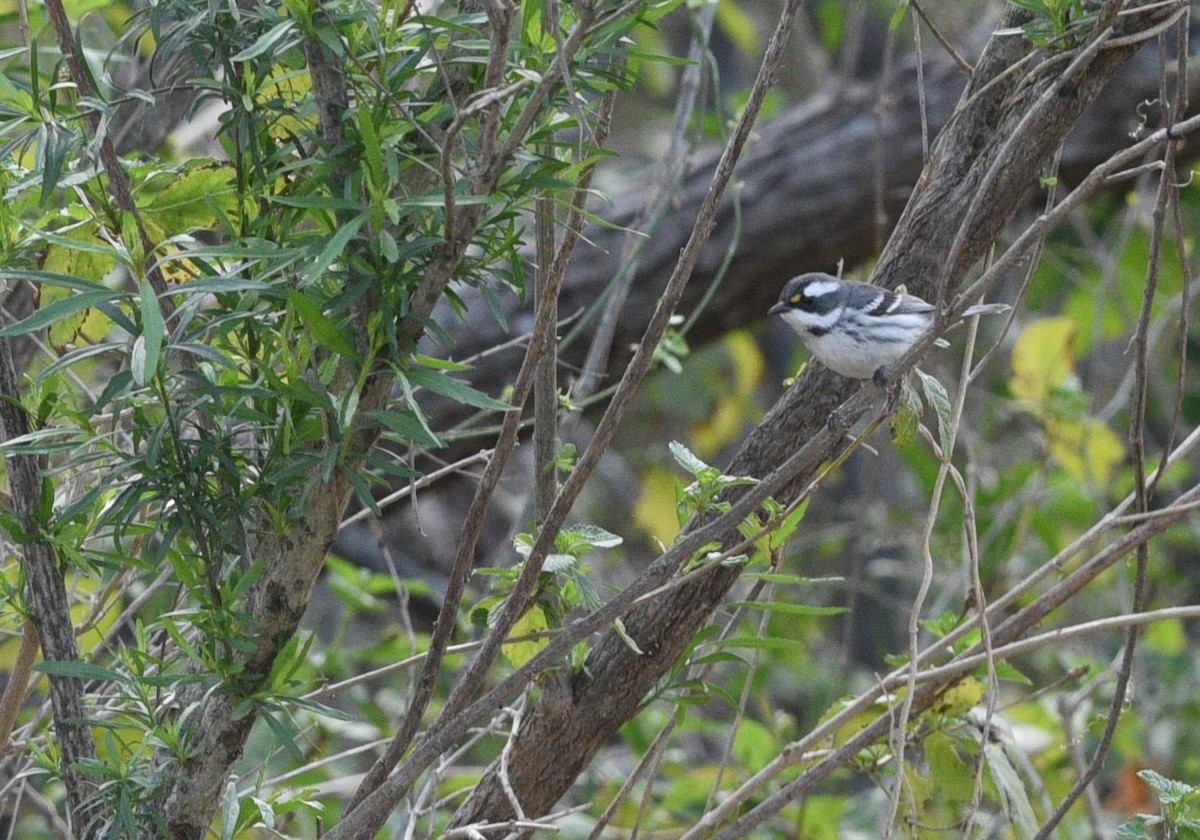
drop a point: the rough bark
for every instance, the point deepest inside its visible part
(49, 605)
(980, 173)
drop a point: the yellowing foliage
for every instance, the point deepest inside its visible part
(1044, 384)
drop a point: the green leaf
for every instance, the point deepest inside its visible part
(779, 577)
(790, 523)
(453, 389)
(78, 670)
(21, 100)
(439, 364)
(51, 278)
(285, 732)
(593, 535)
(555, 563)
(333, 249)
(1135, 829)
(53, 145)
(57, 311)
(325, 331)
(1009, 672)
(686, 459)
(1168, 791)
(265, 41)
(229, 810)
(907, 416)
(148, 346)
(372, 152)
(408, 425)
(939, 400)
(1014, 798)
(784, 608)
(589, 597)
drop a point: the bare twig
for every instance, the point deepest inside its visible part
(1141, 486)
(18, 684)
(962, 63)
(667, 178)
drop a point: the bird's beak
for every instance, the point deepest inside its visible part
(778, 309)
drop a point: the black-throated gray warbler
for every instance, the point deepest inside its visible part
(853, 328)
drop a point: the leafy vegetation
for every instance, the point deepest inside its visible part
(227, 348)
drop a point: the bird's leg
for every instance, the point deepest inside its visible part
(837, 422)
(891, 386)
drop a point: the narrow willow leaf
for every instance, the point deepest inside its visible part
(785, 608)
(60, 309)
(939, 400)
(325, 331)
(78, 670)
(453, 389)
(153, 330)
(265, 41)
(333, 249)
(410, 426)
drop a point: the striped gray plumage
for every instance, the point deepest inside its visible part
(852, 328)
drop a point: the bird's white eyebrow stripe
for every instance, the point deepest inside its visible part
(820, 288)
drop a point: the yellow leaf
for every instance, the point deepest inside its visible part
(518, 653)
(734, 406)
(723, 425)
(738, 26)
(90, 325)
(747, 360)
(1042, 359)
(182, 201)
(1166, 637)
(1087, 449)
(959, 698)
(82, 610)
(654, 512)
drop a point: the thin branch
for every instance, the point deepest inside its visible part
(18, 684)
(1137, 432)
(419, 484)
(118, 178)
(667, 178)
(963, 64)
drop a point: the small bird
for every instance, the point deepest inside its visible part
(852, 328)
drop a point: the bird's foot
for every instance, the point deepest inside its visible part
(890, 385)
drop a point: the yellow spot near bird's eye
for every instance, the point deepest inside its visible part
(796, 298)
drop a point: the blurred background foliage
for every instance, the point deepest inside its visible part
(1043, 450)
